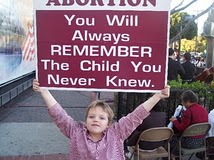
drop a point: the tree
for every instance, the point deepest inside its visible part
(181, 7)
(197, 44)
(201, 43)
(187, 45)
(178, 22)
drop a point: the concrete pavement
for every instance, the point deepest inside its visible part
(26, 128)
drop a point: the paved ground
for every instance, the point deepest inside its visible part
(27, 131)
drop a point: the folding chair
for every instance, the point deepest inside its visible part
(157, 134)
(194, 130)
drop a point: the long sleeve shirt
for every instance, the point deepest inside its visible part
(110, 147)
(174, 68)
(190, 71)
(193, 114)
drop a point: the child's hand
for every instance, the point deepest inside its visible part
(165, 93)
(46, 95)
(36, 87)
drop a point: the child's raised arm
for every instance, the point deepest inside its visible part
(150, 103)
(46, 95)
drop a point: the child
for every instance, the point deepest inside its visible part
(98, 138)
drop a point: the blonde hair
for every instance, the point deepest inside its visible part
(106, 108)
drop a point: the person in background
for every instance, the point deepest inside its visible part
(193, 114)
(211, 122)
(201, 63)
(174, 67)
(209, 139)
(177, 55)
(98, 137)
(157, 118)
(178, 113)
(189, 68)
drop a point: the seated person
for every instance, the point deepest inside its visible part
(155, 119)
(211, 122)
(193, 114)
(178, 112)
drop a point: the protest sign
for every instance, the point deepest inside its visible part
(111, 45)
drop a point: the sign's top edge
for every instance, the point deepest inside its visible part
(145, 5)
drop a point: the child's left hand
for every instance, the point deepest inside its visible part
(165, 93)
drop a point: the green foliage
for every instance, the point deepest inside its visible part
(175, 24)
(197, 44)
(187, 45)
(201, 44)
(178, 21)
(201, 88)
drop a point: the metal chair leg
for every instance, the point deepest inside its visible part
(191, 156)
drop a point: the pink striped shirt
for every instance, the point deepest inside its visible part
(110, 147)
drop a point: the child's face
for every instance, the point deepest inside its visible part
(97, 121)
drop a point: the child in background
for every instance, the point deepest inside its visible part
(98, 138)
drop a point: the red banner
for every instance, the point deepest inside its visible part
(102, 49)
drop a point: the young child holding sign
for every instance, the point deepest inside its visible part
(98, 138)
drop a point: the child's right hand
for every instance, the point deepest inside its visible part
(46, 95)
(36, 87)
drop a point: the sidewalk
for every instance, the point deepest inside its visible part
(28, 133)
